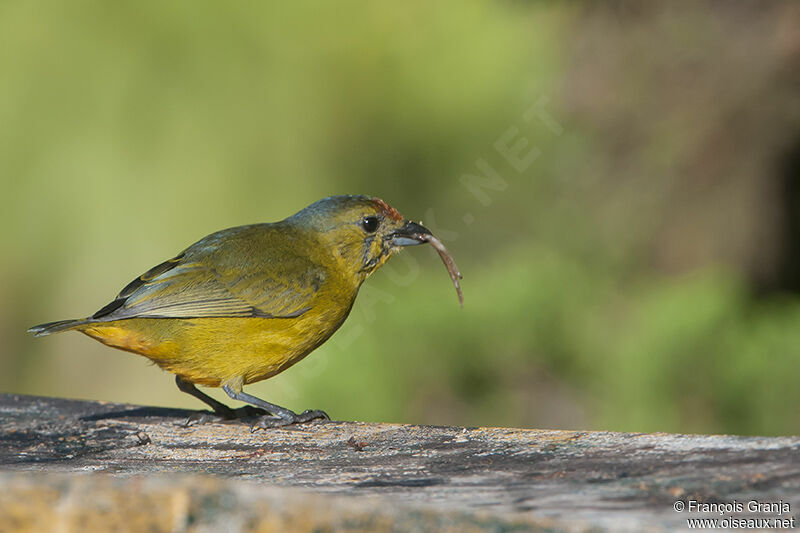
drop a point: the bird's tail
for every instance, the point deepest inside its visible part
(54, 327)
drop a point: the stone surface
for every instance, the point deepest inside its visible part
(79, 462)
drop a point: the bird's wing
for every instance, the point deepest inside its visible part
(186, 288)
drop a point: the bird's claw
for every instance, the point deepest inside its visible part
(311, 414)
(202, 417)
(263, 420)
(271, 421)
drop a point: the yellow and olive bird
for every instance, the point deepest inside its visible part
(246, 303)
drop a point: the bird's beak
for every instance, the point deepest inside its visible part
(410, 234)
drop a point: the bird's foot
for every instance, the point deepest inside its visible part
(207, 417)
(202, 417)
(272, 421)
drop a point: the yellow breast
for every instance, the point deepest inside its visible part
(211, 351)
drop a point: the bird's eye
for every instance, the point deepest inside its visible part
(370, 224)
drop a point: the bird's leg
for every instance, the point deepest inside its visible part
(277, 416)
(221, 411)
(219, 408)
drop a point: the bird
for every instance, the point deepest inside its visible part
(244, 304)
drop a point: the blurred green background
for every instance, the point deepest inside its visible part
(618, 183)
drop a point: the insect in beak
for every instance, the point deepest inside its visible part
(411, 234)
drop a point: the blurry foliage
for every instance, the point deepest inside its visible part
(628, 278)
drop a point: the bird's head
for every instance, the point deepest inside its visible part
(361, 232)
